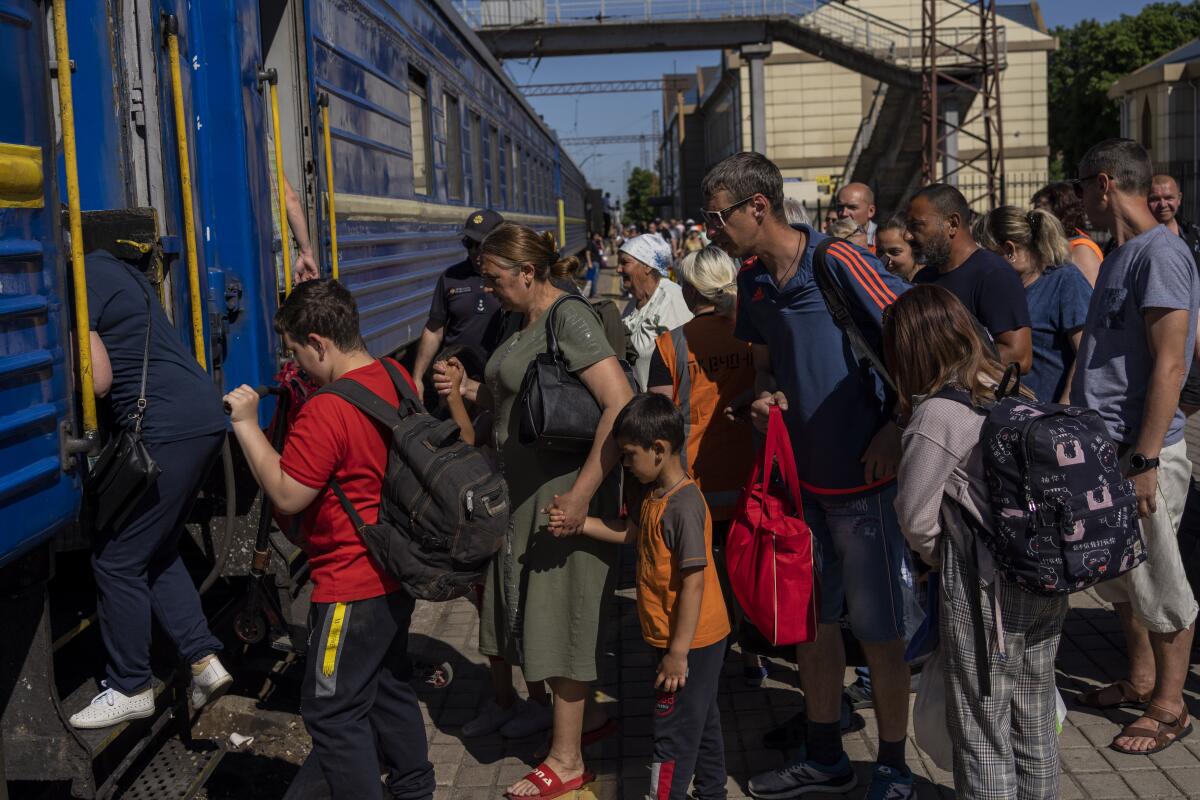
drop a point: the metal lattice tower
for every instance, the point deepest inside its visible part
(960, 98)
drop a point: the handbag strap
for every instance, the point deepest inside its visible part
(778, 448)
(137, 415)
(551, 336)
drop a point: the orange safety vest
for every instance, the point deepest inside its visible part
(711, 371)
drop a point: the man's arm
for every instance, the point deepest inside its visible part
(306, 263)
(1016, 346)
(1166, 336)
(427, 348)
(765, 390)
(286, 493)
(1076, 336)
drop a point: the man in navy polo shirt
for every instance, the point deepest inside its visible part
(847, 449)
(461, 312)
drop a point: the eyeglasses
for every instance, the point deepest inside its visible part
(1078, 183)
(716, 219)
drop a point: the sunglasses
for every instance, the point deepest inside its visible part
(716, 219)
(1077, 184)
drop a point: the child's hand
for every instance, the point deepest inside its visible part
(672, 673)
(452, 368)
(558, 519)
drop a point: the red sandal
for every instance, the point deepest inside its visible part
(550, 785)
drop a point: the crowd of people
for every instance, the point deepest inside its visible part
(724, 326)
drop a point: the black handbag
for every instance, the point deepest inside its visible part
(557, 411)
(124, 471)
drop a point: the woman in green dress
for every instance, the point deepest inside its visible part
(545, 596)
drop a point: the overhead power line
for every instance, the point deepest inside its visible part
(629, 138)
(592, 87)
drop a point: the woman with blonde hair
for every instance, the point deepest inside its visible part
(1035, 246)
(1004, 743)
(545, 596)
(707, 371)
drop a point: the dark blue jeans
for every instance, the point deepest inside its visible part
(139, 572)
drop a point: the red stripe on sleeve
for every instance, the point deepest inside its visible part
(854, 270)
(887, 294)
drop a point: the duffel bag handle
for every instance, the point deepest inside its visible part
(778, 448)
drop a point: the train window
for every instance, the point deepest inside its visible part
(494, 153)
(454, 154)
(477, 193)
(422, 142)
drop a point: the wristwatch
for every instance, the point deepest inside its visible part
(1139, 463)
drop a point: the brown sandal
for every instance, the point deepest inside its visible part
(1168, 729)
(1116, 695)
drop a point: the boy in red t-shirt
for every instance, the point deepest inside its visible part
(356, 701)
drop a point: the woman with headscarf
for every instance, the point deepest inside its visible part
(657, 305)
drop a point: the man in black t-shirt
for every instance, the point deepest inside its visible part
(461, 312)
(940, 235)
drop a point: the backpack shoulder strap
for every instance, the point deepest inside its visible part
(409, 402)
(839, 309)
(364, 400)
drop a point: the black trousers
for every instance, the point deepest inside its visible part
(687, 732)
(139, 573)
(357, 703)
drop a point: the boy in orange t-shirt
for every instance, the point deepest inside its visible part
(679, 599)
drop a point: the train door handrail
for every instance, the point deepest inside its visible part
(66, 103)
(185, 187)
(323, 102)
(271, 76)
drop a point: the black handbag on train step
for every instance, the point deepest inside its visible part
(124, 471)
(558, 412)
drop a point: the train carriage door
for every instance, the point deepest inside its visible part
(36, 496)
(283, 39)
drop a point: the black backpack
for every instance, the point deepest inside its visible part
(443, 510)
(1064, 517)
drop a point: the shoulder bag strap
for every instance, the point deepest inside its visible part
(137, 415)
(551, 336)
(835, 301)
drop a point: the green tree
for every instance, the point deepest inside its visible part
(643, 184)
(1090, 57)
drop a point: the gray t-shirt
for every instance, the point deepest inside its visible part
(1112, 371)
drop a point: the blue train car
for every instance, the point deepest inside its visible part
(423, 126)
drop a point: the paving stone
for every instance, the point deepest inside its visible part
(1152, 785)
(1124, 762)
(1083, 761)
(1103, 787)
(1068, 789)
(1187, 780)
(1176, 757)
(477, 776)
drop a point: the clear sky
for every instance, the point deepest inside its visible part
(598, 114)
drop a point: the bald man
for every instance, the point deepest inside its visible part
(1164, 201)
(856, 201)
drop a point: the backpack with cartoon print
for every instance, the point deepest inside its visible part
(1064, 516)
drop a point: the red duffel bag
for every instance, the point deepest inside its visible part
(769, 552)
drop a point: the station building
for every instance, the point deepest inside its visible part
(1161, 110)
(816, 111)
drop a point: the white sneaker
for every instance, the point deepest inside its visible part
(491, 719)
(110, 707)
(531, 717)
(212, 682)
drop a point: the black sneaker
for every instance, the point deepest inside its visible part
(860, 695)
(436, 676)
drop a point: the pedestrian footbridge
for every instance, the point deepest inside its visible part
(887, 150)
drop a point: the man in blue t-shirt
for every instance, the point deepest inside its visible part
(940, 234)
(847, 448)
(1136, 347)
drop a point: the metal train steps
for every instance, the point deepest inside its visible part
(176, 772)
